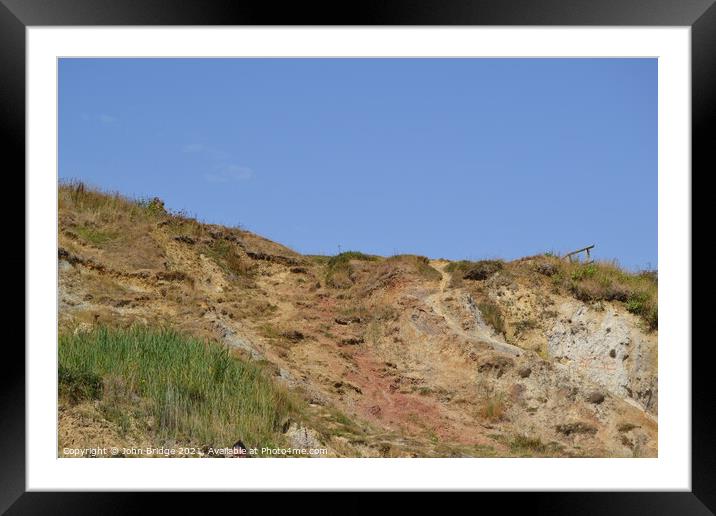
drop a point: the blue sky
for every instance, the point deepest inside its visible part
(454, 158)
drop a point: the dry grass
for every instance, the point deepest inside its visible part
(493, 408)
(606, 281)
(588, 282)
(181, 225)
(111, 222)
(225, 255)
(418, 265)
(105, 207)
(479, 270)
(527, 446)
(339, 271)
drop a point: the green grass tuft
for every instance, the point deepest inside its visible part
(339, 269)
(644, 305)
(94, 236)
(224, 254)
(527, 446)
(346, 257)
(77, 385)
(479, 270)
(492, 315)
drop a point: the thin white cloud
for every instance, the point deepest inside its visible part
(223, 169)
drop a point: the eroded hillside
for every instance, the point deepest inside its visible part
(398, 356)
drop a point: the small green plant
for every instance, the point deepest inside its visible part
(270, 331)
(95, 236)
(636, 303)
(641, 304)
(153, 206)
(526, 446)
(78, 385)
(223, 253)
(493, 408)
(584, 271)
(492, 315)
(433, 436)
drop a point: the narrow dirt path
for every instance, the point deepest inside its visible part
(476, 336)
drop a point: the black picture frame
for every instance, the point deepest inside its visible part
(16, 15)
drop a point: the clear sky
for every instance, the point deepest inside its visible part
(454, 158)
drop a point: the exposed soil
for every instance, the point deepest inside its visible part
(401, 350)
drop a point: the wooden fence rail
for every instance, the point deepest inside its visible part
(586, 250)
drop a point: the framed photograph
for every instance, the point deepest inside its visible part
(443, 247)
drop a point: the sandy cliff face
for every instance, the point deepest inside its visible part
(608, 348)
(402, 348)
